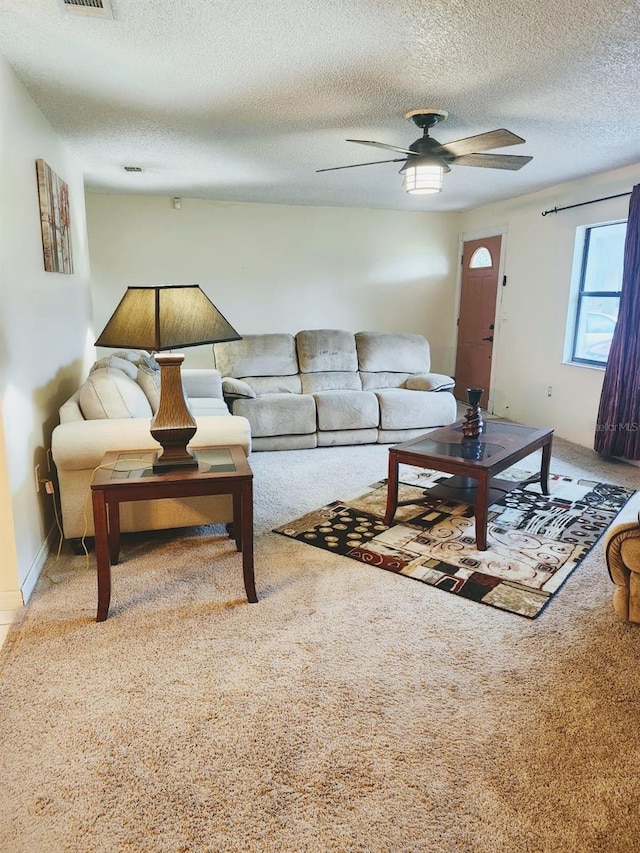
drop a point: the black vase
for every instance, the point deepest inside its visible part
(473, 423)
(474, 395)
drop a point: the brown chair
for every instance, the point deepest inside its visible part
(622, 552)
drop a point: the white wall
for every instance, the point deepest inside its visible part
(278, 268)
(44, 321)
(531, 331)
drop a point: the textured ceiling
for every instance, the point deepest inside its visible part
(242, 101)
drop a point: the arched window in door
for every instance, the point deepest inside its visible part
(481, 259)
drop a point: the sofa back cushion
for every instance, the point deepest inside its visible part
(118, 363)
(110, 393)
(257, 355)
(148, 379)
(393, 353)
(326, 350)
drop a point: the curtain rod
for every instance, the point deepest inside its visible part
(582, 203)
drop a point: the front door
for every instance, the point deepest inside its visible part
(478, 294)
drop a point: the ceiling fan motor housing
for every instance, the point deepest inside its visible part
(428, 150)
(425, 146)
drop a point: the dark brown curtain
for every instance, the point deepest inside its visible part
(618, 423)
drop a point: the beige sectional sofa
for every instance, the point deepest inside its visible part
(112, 410)
(326, 387)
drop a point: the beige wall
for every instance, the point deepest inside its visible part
(283, 268)
(44, 320)
(272, 268)
(533, 316)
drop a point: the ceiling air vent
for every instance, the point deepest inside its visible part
(94, 8)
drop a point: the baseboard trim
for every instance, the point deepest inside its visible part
(29, 583)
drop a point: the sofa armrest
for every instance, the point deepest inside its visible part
(80, 445)
(70, 410)
(429, 382)
(622, 551)
(234, 388)
(201, 382)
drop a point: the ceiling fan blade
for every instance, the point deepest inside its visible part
(355, 165)
(492, 161)
(383, 145)
(481, 142)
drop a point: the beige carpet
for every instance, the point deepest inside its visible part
(349, 710)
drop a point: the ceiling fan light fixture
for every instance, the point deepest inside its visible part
(422, 176)
(429, 159)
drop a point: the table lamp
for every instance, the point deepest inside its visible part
(162, 318)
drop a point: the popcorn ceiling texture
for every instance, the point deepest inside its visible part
(242, 101)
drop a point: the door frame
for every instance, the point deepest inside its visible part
(480, 234)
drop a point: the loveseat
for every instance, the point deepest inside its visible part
(112, 410)
(326, 387)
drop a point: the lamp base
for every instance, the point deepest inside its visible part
(173, 426)
(167, 461)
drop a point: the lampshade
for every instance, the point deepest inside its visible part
(422, 175)
(165, 317)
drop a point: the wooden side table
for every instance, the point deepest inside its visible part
(129, 477)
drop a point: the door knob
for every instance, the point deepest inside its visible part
(490, 338)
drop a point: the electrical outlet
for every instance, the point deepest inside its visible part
(36, 471)
(549, 390)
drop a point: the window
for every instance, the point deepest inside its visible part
(600, 259)
(481, 258)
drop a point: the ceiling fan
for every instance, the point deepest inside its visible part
(426, 159)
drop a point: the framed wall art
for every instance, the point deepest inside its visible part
(55, 221)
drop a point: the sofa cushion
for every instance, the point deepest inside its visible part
(321, 350)
(396, 353)
(430, 382)
(401, 408)
(133, 355)
(382, 379)
(118, 363)
(201, 382)
(199, 406)
(110, 393)
(339, 410)
(330, 381)
(257, 355)
(274, 384)
(278, 414)
(335, 438)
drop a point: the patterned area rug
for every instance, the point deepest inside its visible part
(534, 541)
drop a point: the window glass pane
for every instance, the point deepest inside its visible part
(481, 258)
(597, 317)
(605, 259)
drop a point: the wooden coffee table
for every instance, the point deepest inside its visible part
(474, 464)
(129, 477)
